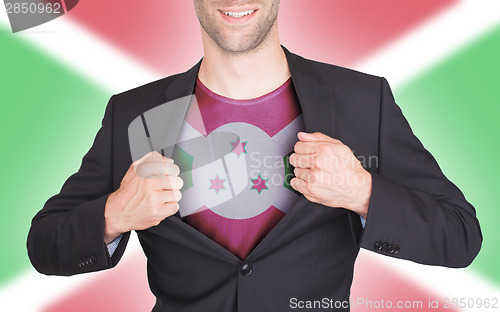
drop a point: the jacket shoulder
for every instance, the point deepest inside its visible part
(339, 75)
(149, 90)
(130, 104)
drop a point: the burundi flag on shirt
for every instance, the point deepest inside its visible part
(440, 56)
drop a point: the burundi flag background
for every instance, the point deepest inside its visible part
(441, 58)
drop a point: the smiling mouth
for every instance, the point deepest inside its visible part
(239, 14)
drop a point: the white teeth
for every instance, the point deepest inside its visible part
(239, 14)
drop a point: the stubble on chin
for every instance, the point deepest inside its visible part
(245, 44)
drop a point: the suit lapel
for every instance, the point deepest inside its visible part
(182, 84)
(315, 98)
(318, 109)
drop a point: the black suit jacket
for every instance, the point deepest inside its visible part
(415, 212)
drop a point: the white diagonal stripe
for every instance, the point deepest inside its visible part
(32, 291)
(433, 41)
(87, 54)
(440, 281)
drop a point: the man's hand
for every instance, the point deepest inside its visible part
(328, 173)
(148, 193)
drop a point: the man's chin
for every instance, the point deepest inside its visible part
(238, 50)
(239, 46)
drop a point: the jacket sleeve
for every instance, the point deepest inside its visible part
(415, 212)
(67, 236)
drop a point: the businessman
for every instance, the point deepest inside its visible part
(228, 238)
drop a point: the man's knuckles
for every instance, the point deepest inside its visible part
(172, 208)
(162, 209)
(314, 176)
(325, 148)
(173, 183)
(170, 196)
(157, 169)
(163, 183)
(319, 161)
(165, 210)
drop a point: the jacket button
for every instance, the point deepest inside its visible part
(390, 248)
(378, 245)
(246, 269)
(385, 245)
(93, 260)
(395, 249)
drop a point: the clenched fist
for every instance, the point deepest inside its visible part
(148, 193)
(327, 172)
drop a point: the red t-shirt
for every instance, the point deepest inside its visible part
(236, 200)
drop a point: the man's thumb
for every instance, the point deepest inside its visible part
(315, 136)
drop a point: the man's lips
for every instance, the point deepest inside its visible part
(237, 16)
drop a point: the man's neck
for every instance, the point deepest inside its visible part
(244, 75)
